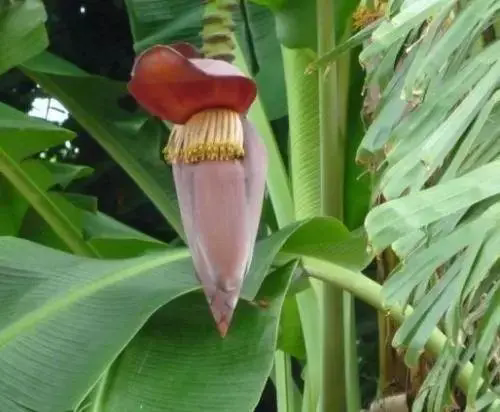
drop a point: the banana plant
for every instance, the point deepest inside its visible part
(393, 161)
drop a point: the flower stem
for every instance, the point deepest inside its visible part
(218, 27)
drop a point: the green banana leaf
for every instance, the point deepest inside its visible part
(32, 206)
(22, 32)
(65, 319)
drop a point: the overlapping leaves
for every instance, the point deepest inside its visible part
(434, 144)
(65, 319)
(24, 137)
(33, 208)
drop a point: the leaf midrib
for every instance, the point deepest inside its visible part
(79, 292)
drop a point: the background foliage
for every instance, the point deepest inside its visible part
(99, 306)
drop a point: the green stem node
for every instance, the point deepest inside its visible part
(218, 27)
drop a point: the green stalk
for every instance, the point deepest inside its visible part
(353, 394)
(287, 393)
(303, 120)
(217, 32)
(350, 347)
(332, 149)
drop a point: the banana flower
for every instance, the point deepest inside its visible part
(219, 162)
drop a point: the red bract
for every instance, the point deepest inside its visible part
(174, 82)
(219, 162)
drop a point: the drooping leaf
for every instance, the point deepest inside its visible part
(392, 220)
(466, 27)
(410, 15)
(416, 330)
(486, 345)
(413, 171)
(434, 144)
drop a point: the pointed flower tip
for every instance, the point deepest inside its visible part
(222, 327)
(175, 82)
(222, 305)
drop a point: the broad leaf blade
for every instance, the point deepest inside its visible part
(64, 319)
(214, 374)
(59, 326)
(23, 136)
